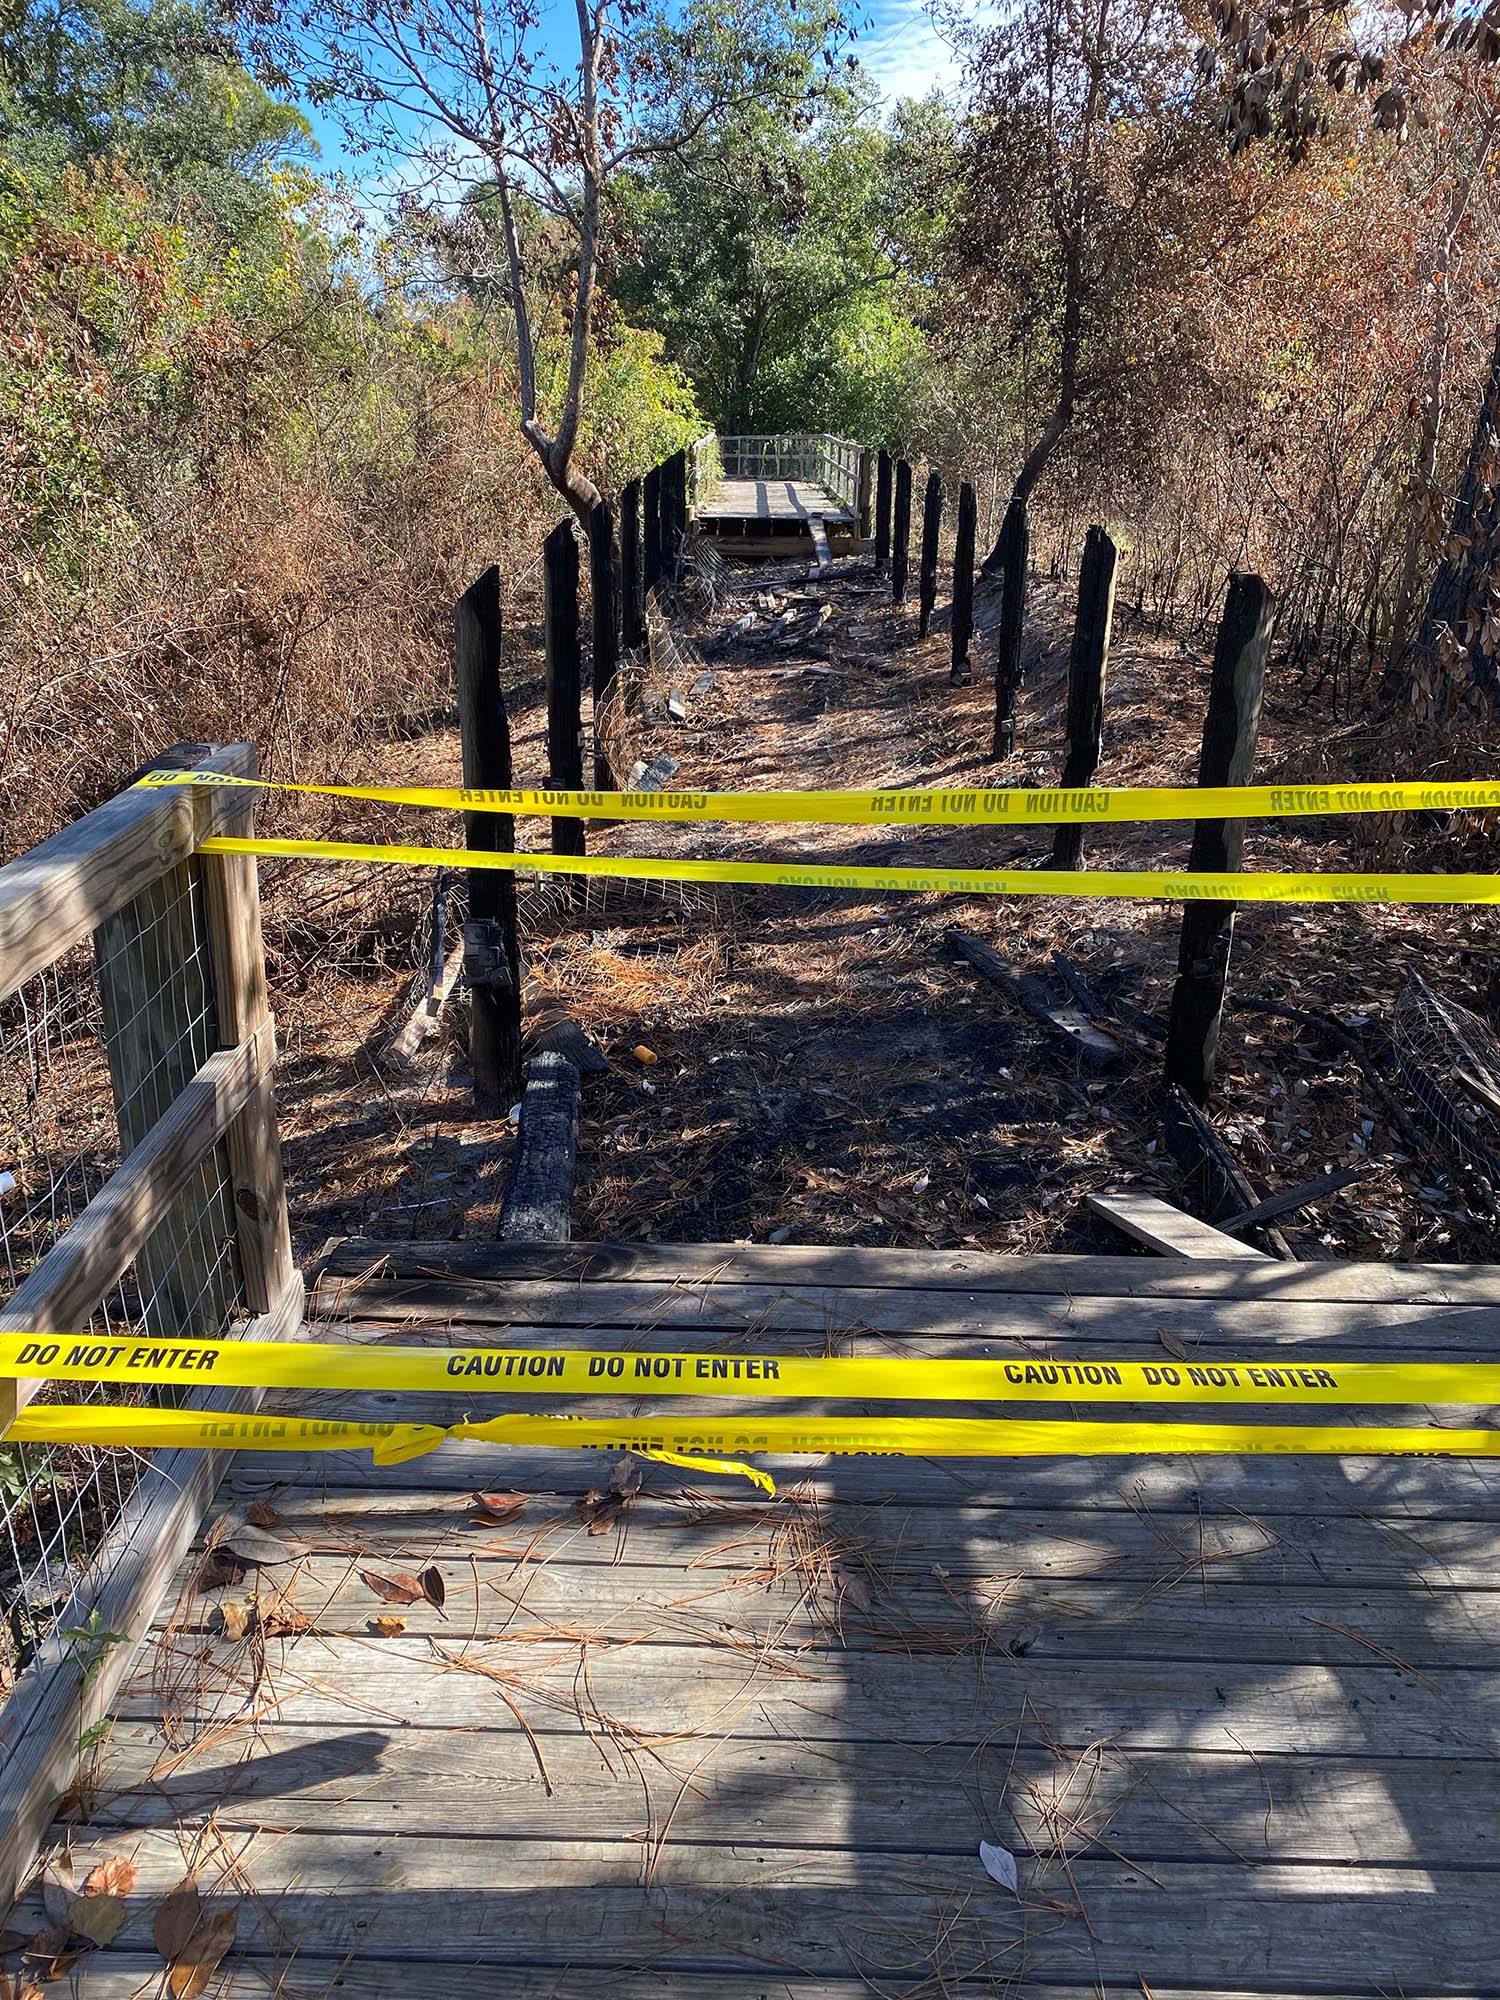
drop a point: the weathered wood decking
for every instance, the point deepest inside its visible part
(772, 500)
(1238, 1719)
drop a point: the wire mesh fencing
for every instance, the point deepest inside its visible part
(93, 1051)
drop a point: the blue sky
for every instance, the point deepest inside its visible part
(898, 44)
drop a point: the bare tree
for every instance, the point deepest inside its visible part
(463, 93)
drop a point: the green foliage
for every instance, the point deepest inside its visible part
(781, 258)
(91, 1641)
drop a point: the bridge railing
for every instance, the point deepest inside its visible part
(141, 1196)
(814, 457)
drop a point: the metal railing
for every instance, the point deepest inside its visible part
(817, 458)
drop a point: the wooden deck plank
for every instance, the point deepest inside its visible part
(1167, 1230)
(752, 1907)
(1402, 1490)
(492, 1597)
(771, 500)
(1148, 1804)
(374, 1309)
(1358, 1551)
(667, 1691)
(923, 1270)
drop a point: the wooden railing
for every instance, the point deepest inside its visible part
(133, 1008)
(830, 462)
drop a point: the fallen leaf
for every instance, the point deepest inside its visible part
(499, 1506)
(112, 1877)
(98, 1918)
(177, 1918)
(57, 1898)
(999, 1865)
(398, 1589)
(233, 1619)
(625, 1477)
(48, 1951)
(200, 1958)
(11, 1941)
(387, 1625)
(433, 1587)
(1172, 1344)
(259, 1515)
(281, 1619)
(252, 1545)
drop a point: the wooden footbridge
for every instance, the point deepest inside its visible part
(535, 1725)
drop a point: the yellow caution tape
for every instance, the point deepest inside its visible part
(955, 807)
(305, 1364)
(1159, 884)
(713, 1445)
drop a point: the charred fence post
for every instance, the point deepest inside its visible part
(492, 955)
(1088, 667)
(564, 678)
(674, 513)
(963, 584)
(651, 536)
(864, 490)
(927, 573)
(901, 533)
(606, 633)
(882, 512)
(1014, 550)
(1230, 730)
(632, 625)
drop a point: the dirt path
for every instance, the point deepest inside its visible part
(819, 1067)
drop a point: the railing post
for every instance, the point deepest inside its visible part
(963, 584)
(1088, 666)
(231, 894)
(1015, 544)
(927, 574)
(606, 634)
(1230, 731)
(632, 627)
(864, 492)
(882, 512)
(651, 535)
(492, 953)
(901, 533)
(564, 678)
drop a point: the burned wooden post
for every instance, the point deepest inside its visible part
(927, 573)
(901, 533)
(492, 955)
(674, 514)
(651, 535)
(606, 633)
(864, 491)
(564, 678)
(963, 584)
(1230, 730)
(1015, 549)
(1088, 666)
(882, 512)
(632, 624)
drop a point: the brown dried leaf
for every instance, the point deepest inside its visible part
(177, 1918)
(200, 1959)
(234, 1619)
(281, 1619)
(259, 1515)
(48, 1951)
(114, 1876)
(98, 1918)
(11, 1941)
(254, 1546)
(1173, 1345)
(387, 1625)
(397, 1589)
(499, 1506)
(433, 1587)
(625, 1477)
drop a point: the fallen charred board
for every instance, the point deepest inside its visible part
(1211, 1169)
(1292, 1198)
(538, 1205)
(1064, 1019)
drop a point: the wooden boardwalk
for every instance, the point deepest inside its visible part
(1238, 1720)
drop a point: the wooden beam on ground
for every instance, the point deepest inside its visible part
(1064, 1019)
(1201, 1153)
(428, 1012)
(1088, 667)
(822, 558)
(1292, 1198)
(1167, 1230)
(1230, 732)
(538, 1206)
